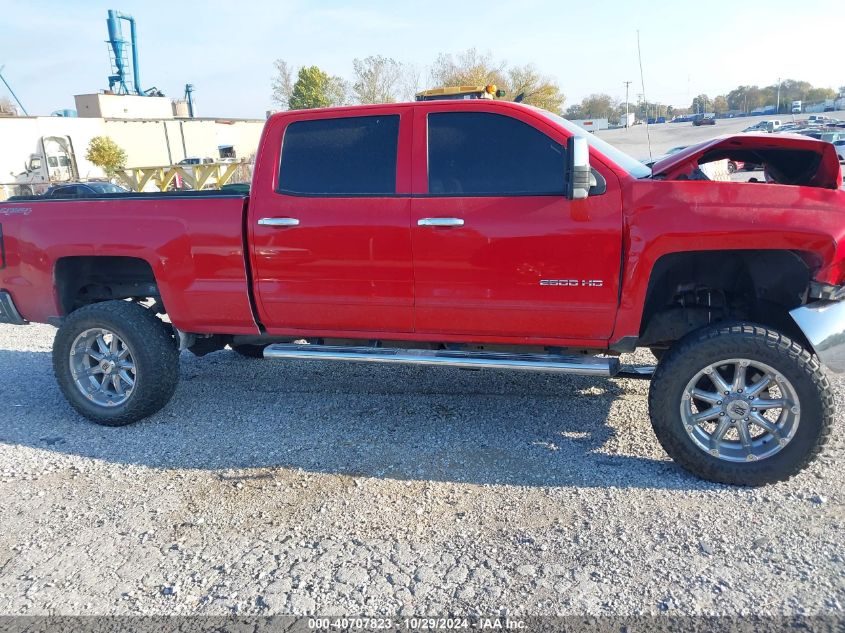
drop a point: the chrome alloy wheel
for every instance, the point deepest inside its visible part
(740, 410)
(102, 367)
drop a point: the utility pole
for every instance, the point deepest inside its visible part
(778, 106)
(627, 84)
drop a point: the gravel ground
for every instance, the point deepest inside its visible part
(346, 489)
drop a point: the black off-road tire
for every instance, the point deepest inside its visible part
(249, 351)
(756, 343)
(154, 352)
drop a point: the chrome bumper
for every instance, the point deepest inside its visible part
(823, 323)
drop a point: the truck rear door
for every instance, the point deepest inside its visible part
(329, 222)
(498, 248)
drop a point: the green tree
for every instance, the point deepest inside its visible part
(702, 103)
(316, 89)
(720, 104)
(575, 112)
(815, 95)
(469, 68)
(537, 90)
(106, 154)
(377, 79)
(598, 106)
(791, 90)
(745, 98)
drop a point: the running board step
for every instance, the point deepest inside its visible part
(583, 365)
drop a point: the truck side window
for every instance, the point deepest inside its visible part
(336, 157)
(481, 153)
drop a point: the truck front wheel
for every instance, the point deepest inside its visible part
(741, 404)
(115, 362)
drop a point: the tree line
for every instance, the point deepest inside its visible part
(749, 98)
(378, 79)
(741, 99)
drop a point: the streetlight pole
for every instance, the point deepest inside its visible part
(778, 106)
(627, 84)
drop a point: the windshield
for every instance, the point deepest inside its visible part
(628, 163)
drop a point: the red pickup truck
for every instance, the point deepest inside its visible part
(475, 234)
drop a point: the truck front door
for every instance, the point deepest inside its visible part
(498, 248)
(329, 223)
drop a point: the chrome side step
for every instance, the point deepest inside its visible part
(583, 365)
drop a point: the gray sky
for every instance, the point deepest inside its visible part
(54, 49)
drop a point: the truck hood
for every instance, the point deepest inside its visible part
(795, 159)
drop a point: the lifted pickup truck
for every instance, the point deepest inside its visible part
(471, 233)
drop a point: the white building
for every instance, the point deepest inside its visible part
(148, 142)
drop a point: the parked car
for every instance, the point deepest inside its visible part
(519, 254)
(832, 137)
(703, 120)
(812, 133)
(82, 189)
(840, 149)
(195, 160)
(771, 125)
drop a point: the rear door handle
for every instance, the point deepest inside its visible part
(440, 222)
(278, 222)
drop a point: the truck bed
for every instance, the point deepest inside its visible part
(192, 242)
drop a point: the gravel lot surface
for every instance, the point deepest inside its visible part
(344, 489)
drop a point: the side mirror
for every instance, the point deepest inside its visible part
(578, 172)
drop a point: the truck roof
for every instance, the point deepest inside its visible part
(439, 103)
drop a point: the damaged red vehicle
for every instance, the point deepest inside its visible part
(476, 234)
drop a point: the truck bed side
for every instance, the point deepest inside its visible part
(193, 245)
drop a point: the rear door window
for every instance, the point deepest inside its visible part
(487, 154)
(337, 157)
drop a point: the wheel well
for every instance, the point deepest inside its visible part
(690, 290)
(82, 281)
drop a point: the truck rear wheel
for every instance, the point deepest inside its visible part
(741, 404)
(115, 362)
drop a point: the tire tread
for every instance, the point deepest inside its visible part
(158, 352)
(765, 339)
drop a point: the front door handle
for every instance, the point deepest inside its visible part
(440, 222)
(278, 222)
